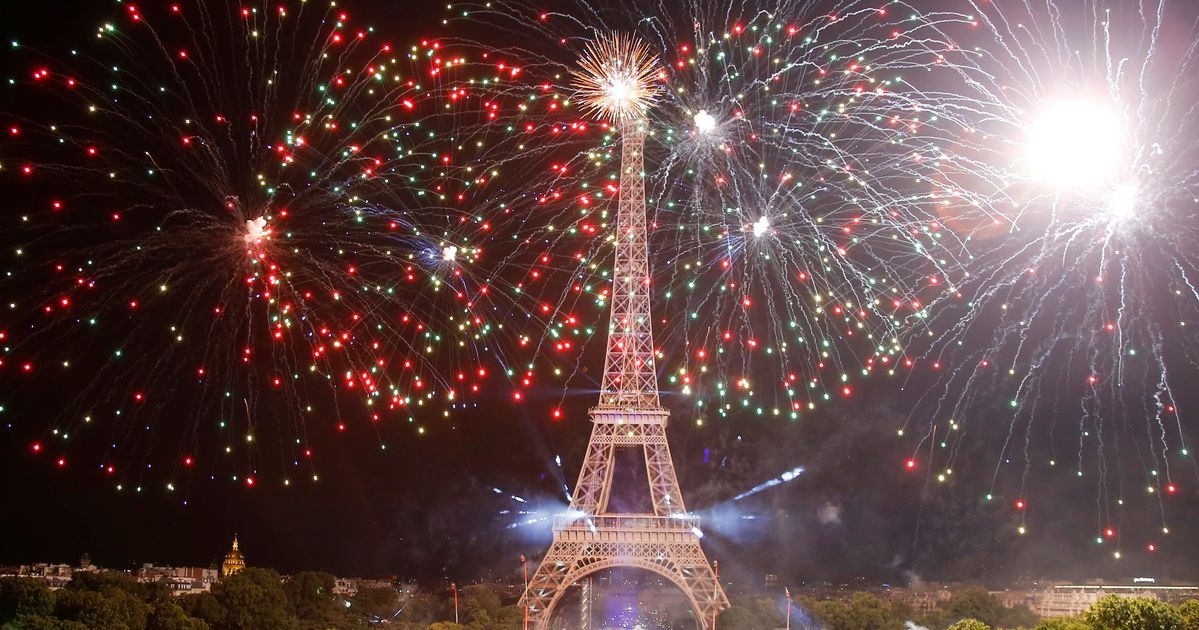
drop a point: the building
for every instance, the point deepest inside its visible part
(1062, 600)
(234, 561)
(179, 579)
(349, 587)
(923, 598)
(54, 575)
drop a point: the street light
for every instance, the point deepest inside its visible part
(787, 592)
(716, 593)
(524, 567)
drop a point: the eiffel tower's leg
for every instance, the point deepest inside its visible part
(659, 468)
(595, 479)
(548, 581)
(585, 604)
(701, 585)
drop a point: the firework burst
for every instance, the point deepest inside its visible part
(616, 78)
(792, 177)
(1064, 338)
(235, 240)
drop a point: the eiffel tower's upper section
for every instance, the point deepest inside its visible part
(630, 381)
(617, 82)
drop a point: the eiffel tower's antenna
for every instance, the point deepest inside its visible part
(616, 83)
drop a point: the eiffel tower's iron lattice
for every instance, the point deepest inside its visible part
(590, 538)
(585, 603)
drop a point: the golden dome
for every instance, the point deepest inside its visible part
(234, 561)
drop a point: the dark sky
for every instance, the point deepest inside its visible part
(426, 508)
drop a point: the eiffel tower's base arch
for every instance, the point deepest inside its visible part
(680, 561)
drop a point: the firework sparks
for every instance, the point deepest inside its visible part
(615, 79)
(704, 122)
(164, 282)
(1078, 229)
(255, 230)
(771, 313)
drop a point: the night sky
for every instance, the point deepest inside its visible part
(441, 506)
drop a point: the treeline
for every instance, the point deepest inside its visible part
(261, 599)
(971, 609)
(255, 599)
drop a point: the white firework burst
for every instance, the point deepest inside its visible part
(615, 79)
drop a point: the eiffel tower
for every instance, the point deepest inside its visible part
(589, 538)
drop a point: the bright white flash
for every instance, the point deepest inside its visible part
(704, 122)
(761, 226)
(617, 77)
(255, 229)
(1123, 203)
(618, 92)
(449, 253)
(1075, 145)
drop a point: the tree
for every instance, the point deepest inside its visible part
(446, 625)
(424, 609)
(24, 597)
(769, 609)
(377, 603)
(750, 612)
(92, 600)
(969, 624)
(167, 615)
(1189, 611)
(204, 606)
(738, 618)
(478, 598)
(509, 618)
(310, 598)
(111, 582)
(113, 609)
(41, 622)
(862, 612)
(903, 610)
(408, 625)
(975, 603)
(1124, 613)
(253, 599)
(1062, 623)
(480, 620)
(1019, 616)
